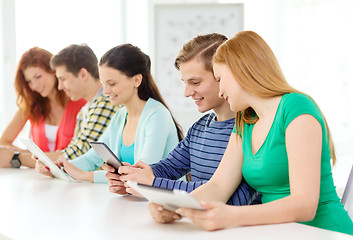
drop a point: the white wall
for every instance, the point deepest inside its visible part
(7, 62)
(53, 25)
(313, 42)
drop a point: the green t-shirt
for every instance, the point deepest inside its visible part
(267, 170)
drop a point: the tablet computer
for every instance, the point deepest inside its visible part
(107, 155)
(35, 150)
(170, 199)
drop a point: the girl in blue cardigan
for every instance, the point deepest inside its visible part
(144, 129)
(201, 151)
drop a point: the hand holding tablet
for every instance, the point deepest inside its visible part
(35, 150)
(107, 155)
(169, 199)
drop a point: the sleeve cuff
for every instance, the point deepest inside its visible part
(99, 176)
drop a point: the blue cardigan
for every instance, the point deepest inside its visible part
(156, 136)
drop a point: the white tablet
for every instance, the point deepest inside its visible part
(169, 199)
(35, 150)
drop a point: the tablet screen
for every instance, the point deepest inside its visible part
(107, 155)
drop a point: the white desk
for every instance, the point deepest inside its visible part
(37, 207)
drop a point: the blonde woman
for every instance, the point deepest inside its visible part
(281, 144)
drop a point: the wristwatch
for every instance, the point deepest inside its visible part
(15, 161)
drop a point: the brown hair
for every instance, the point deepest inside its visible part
(201, 46)
(29, 101)
(257, 70)
(130, 60)
(75, 57)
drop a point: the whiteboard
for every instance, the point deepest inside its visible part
(174, 25)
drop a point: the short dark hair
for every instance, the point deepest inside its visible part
(75, 57)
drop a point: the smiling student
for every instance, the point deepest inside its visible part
(281, 144)
(76, 68)
(143, 129)
(202, 149)
(51, 113)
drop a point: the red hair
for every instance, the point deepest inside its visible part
(29, 101)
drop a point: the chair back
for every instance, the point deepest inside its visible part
(347, 198)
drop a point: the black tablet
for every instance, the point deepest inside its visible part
(107, 155)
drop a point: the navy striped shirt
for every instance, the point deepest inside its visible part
(200, 153)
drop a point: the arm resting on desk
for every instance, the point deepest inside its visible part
(303, 143)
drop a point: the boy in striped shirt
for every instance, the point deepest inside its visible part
(201, 151)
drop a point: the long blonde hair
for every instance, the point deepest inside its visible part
(257, 70)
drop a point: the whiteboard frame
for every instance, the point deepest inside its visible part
(185, 110)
